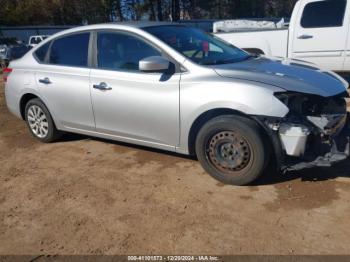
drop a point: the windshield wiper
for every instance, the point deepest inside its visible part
(220, 62)
(227, 61)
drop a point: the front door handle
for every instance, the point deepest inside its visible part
(45, 81)
(102, 86)
(305, 37)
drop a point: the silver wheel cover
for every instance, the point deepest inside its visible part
(37, 121)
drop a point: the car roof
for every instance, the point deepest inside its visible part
(144, 24)
(131, 24)
(117, 25)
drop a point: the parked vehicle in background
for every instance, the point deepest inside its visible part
(203, 24)
(36, 39)
(3, 56)
(16, 52)
(318, 33)
(176, 88)
(3, 50)
(208, 25)
(9, 53)
(8, 41)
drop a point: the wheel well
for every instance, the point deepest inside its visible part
(255, 51)
(204, 118)
(24, 100)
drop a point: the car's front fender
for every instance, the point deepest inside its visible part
(238, 96)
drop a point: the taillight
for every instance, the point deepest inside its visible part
(5, 73)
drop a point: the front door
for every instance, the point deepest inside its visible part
(141, 107)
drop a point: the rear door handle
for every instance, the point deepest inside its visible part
(305, 37)
(102, 86)
(45, 81)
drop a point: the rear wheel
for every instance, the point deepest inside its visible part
(231, 149)
(40, 122)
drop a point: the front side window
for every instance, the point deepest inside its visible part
(121, 51)
(40, 54)
(70, 50)
(198, 46)
(329, 13)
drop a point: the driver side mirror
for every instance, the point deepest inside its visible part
(154, 64)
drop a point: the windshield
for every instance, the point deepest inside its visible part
(198, 46)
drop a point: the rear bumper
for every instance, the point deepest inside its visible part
(12, 102)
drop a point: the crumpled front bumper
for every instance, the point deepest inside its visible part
(322, 154)
(319, 152)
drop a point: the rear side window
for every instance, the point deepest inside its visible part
(329, 13)
(40, 54)
(122, 52)
(70, 50)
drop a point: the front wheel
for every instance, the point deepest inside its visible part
(231, 149)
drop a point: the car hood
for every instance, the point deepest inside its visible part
(290, 75)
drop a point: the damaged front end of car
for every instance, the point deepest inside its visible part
(315, 132)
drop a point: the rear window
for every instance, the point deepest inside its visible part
(70, 50)
(40, 54)
(329, 13)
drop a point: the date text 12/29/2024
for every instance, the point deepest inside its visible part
(173, 258)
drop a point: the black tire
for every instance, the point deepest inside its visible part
(52, 132)
(232, 149)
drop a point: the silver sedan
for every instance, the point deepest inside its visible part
(179, 89)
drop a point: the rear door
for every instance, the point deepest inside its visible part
(320, 32)
(63, 80)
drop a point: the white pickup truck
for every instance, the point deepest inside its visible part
(318, 32)
(36, 39)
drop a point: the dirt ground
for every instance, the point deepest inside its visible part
(87, 196)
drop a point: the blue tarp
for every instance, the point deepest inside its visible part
(24, 32)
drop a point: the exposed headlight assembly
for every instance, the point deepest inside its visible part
(313, 105)
(310, 116)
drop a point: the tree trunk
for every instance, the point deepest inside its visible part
(175, 10)
(159, 10)
(152, 11)
(119, 10)
(193, 9)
